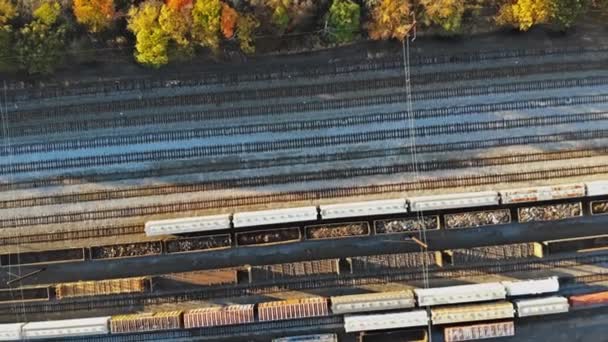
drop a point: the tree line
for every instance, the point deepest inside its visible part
(35, 34)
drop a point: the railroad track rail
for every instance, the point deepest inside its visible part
(326, 281)
(71, 235)
(450, 164)
(448, 182)
(308, 142)
(196, 166)
(398, 97)
(23, 93)
(373, 118)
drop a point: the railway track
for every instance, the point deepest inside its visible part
(326, 281)
(451, 164)
(197, 166)
(22, 93)
(373, 118)
(70, 235)
(448, 182)
(304, 143)
(120, 121)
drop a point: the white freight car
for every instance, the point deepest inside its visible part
(263, 217)
(541, 306)
(460, 294)
(531, 287)
(373, 302)
(384, 207)
(542, 193)
(187, 225)
(66, 328)
(597, 188)
(461, 200)
(11, 332)
(472, 313)
(309, 338)
(354, 323)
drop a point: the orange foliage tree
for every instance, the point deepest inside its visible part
(390, 19)
(96, 15)
(177, 5)
(229, 18)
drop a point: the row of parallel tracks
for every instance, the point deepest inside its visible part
(86, 144)
(569, 285)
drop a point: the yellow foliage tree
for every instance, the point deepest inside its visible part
(390, 19)
(7, 11)
(151, 40)
(96, 15)
(523, 14)
(177, 23)
(206, 22)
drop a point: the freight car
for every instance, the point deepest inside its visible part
(479, 331)
(360, 313)
(488, 199)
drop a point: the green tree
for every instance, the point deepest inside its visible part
(8, 11)
(523, 14)
(566, 12)
(245, 28)
(280, 16)
(6, 54)
(344, 20)
(206, 23)
(40, 47)
(445, 13)
(151, 40)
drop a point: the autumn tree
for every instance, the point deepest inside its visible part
(564, 13)
(96, 15)
(245, 28)
(40, 44)
(523, 14)
(343, 20)
(280, 14)
(176, 21)
(151, 40)
(228, 20)
(445, 13)
(390, 19)
(8, 11)
(206, 23)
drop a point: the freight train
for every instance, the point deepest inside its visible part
(362, 312)
(423, 204)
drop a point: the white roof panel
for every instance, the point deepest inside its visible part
(258, 218)
(384, 207)
(597, 188)
(542, 193)
(530, 287)
(451, 201)
(353, 323)
(541, 306)
(460, 294)
(309, 338)
(187, 225)
(373, 302)
(11, 332)
(66, 328)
